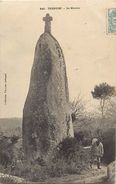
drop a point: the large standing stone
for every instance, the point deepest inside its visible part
(46, 114)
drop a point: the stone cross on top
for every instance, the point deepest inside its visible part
(47, 20)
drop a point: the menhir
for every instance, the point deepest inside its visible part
(46, 114)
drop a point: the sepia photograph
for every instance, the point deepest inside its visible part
(57, 92)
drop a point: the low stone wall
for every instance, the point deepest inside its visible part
(111, 170)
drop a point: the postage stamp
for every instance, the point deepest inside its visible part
(111, 18)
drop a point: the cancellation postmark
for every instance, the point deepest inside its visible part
(111, 20)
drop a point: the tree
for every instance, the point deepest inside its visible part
(78, 109)
(103, 92)
(111, 109)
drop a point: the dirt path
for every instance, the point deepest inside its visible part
(94, 175)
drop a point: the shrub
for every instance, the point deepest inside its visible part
(68, 147)
(30, 171)
(83, 137)
(109, 145)
(70, 156)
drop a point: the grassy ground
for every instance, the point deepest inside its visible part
(92, 176)
(89, 176)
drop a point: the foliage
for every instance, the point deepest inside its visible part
(78, 109)
(30, 171)
(67, 158)
(84, 137)
(108, 138)
(72, 155)
(14, 139)
(68, 147)
(7, 149)
(103, 92)
(111, 110)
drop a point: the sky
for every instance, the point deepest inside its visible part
(90, 52)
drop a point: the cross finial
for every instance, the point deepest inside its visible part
(47, 20)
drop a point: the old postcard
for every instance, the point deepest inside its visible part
(57, 91)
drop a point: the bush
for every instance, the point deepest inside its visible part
(68, 147)
(83, 137)
(109, 145)
(107, 136)
(70, 156)
(30, 171)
